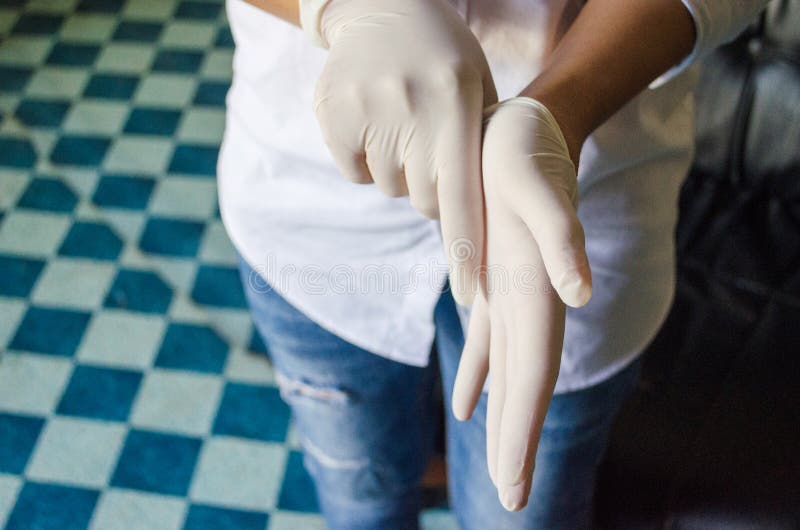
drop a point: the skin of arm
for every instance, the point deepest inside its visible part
(612, 51)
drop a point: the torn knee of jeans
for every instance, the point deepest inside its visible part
(290, 388)
(330, 461)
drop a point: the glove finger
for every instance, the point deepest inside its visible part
(421, 184)
(347, 150)
(387, 173)
(473, 366)
(533, 361)
(460, 192)
(496, 398)
(552, 219)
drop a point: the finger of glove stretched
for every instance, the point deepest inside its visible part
(496, 397)
(386, 172)
(552, 219)
(532, 369)
(461, 195)
(474, 363)
(345, 146)
(421, 182)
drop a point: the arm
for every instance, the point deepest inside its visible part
(616, 48)
(288, 10)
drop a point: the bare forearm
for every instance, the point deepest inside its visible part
(288, 10)
(613, 50)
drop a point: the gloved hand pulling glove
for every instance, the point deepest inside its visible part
(400, 103)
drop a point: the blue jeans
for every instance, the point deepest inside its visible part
(365, 426)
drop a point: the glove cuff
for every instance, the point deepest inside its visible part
(310, 18)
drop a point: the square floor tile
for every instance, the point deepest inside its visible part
(119, 338)
(96, 117)
(77, 150)
(111, 86)
(96, 241)
(184, 197)
(149, 9)
(100, 393)
(51, 331)
(192, 347)
(73, 54)
(171, 237)
(73, 283)
(18, 435)
(48, 194)
(202, 125)
(189, 9)
(224, 38)
(157, 462)
(17, 153)
(138, 31)
(247, 367)
(32, 233)
(216, 247)
(178, 61)
(52, 506)
(211, 93)
(291, 521)
(139, 290)
(14, 78)
(25, 50)
(13, 184)
(41, 113)
(252, 411)
(139, 155)
(18, 275)
(188, 34)
(99, 6)
(203, 517)
(88, 27)
(239, 474)
(297, 492)
(125, 57)
(76, 451)
(200, 160)
(8, 17)
(130, 192)
(11, 312)
(9, 489)
(57, 82)
(165, 90)
(219, 287)
(119, 508)
(32, 384)
(159, 122)
(175, 401)
(218, 64)
(38, 24)
(50, 6)
(437, 519)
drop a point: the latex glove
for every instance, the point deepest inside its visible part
(516, 330)
(400, 104)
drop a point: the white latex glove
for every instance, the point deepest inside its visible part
(400, 103)
(516, 330)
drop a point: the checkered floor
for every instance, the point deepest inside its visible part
(133, 391)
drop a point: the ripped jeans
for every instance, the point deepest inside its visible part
(365, 427)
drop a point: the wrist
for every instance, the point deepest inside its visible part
(563, 109)
(311, 20)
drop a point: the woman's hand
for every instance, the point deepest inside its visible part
(400, 103)
(535, 242)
